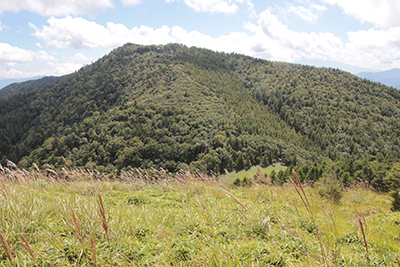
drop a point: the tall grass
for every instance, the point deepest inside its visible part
(155, 218)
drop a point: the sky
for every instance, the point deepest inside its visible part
(56, 37)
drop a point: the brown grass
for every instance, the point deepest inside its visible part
(93, 249)
(77, 227)
(360, 224)
(237, 200)
(6, 249)
(102, 213)
(28, 248)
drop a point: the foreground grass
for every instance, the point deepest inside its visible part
(84, 219)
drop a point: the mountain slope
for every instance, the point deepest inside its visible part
(27, 86)
(5, 82)
(177, 107)
(340, 112)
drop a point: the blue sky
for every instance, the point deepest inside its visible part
(56, 37)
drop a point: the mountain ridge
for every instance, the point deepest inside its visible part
(177, 107)
(29, 85)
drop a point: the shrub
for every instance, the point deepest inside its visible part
(396, 200)
(330, 188)
(393, 181)
(245, 182)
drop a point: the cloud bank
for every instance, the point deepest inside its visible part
(267, 37)
(56, 7)
(381, 13)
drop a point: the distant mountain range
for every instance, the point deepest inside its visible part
(389, 77)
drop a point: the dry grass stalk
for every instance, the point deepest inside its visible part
(398, 261)
(102, 213)
(4, 193)
(364, 238)
(36, 167)
(66, 163)
(93, 248)
(6, 249)
(52, 172)
(77, 226)
(65, 171)
(28, 248)
(294, 204)
(11, 164)
(237, 200)
(300, 191)
(303, 196)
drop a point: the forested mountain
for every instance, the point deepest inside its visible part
(5, 82)
(177, 107)
(20, 87)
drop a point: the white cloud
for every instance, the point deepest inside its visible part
(1, 27)
(311, 45)
(58, 69)
(50, 69)
(381, 13)
(131, 2)
(214, 6)
(14, 59)
(378, 49)
(269, 39)
(372, 49)
(56, 7)
(79, 57)
(81, 33)
(308, 13)
(11, 56)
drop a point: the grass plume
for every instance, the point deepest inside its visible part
(28, 248)
(6, 248)
(237, 200)
(102, 213)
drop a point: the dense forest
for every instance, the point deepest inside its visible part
(188, 108)
(30, 85)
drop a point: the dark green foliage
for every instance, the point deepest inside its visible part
(393, 181)
(242, 182)
(396, 200)
(27, 86)
(187, 108)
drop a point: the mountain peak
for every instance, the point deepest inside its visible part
(171, 106)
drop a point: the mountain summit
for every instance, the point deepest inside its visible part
(176, 107)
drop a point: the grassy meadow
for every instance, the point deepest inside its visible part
(154, 218)
(251, 172)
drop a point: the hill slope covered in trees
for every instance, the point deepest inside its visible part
(177, 107)
(21, 87)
